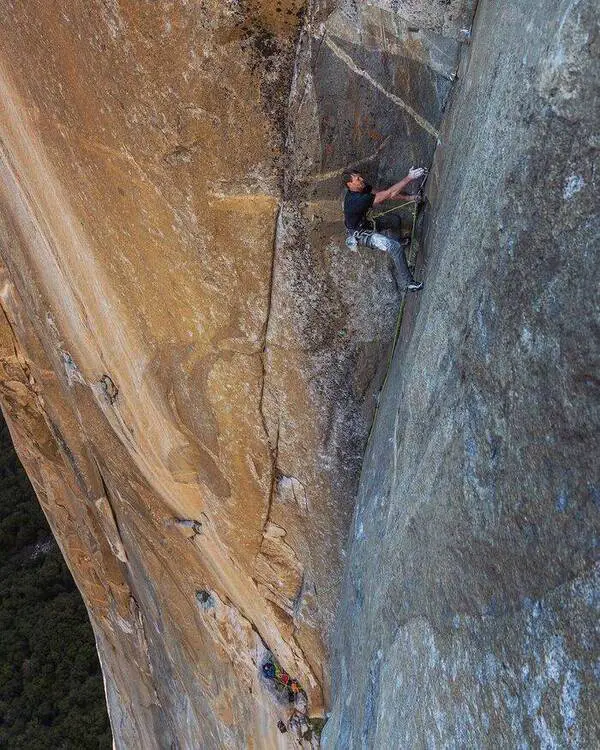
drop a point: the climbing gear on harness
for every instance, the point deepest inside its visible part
(351, 241)
(365, 237)
(362, 237)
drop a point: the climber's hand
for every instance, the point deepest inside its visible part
(415, 172)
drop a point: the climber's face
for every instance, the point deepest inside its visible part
(357, 183)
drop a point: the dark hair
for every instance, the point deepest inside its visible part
(347, 176)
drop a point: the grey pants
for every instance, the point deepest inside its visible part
(377, 241)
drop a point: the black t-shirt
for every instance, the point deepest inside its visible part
(356, 206)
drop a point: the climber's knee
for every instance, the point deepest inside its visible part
(386, 244)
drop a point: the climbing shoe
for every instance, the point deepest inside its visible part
(415, 286)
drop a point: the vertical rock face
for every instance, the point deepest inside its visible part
(188, 356)
(368, 92)
(470, 605)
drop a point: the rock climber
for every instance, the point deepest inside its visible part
(298, 722)
(272, 671)
(358, 200)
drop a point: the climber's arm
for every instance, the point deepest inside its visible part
(391, 193)
(396, 192)
(383, 195)
(406, 197)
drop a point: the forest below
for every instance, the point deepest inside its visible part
(51, 691)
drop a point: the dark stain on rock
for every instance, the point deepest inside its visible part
(67, 453)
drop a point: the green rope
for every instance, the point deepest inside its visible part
(371, 215)
(372, 218)
(412, 233)
(398, 321)
(387, 373)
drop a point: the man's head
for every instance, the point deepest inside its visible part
(354, 181)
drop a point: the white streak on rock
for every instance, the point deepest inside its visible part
(344, 57)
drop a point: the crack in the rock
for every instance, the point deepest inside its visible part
(14, 337)
(273, 446)
(265, 333)
(301, 505)
(297, 601)
(111, 506)
(144, 644)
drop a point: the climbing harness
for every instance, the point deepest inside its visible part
(361, 236)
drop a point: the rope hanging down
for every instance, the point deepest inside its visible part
(402, 304)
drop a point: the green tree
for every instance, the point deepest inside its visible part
(51, 691)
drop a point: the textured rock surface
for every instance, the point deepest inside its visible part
(183, 337)
(471, 597)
